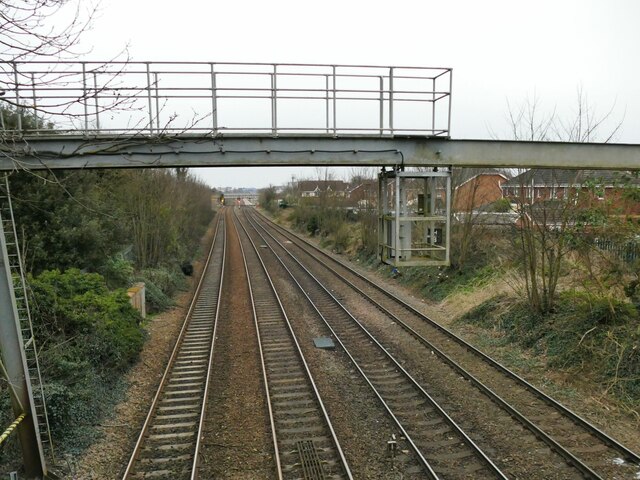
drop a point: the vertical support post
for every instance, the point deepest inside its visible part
(326, 96)
(335, 131)
(382, 202)
(274, 102)
(433, 197)
(448, 214)
(155, 84)
(15, 362)
(381, 105)
(17, 93)
(84, 97)
(214, 100)
(150, 106)
(450, 91)
(406, 235)
(95, 97)
(397, 222)
(391, 100)
(433, 108)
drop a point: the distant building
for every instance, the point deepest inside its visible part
(479, 190)
(364, 194)
(595, 186)
(316, 188)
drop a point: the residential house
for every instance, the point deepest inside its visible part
(316, 188)
(479, 190)
(592, 186)
(364, 194)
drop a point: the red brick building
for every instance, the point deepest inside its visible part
(479, 190)
(617, 190)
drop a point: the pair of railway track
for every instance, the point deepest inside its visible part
(304, 442)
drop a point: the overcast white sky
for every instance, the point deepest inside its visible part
(499, 50)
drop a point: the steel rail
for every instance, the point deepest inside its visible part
(465, 438)
(571, 459)
(178, 344)
(298, 349)
(422, 460)
(579, 421)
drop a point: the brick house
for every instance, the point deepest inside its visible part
(619, 189)
(481, 189)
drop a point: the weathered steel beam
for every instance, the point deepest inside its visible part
(72, 151)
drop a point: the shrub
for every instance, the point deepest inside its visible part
(88, 335)
(341, 238)
(117, 272)
(157, 301)
(584, 332)
(168, 280)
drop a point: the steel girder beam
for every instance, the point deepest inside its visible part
(72, 151)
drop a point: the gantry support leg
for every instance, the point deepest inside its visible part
(15, 363)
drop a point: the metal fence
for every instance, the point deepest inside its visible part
(156, 98)
(626, 251)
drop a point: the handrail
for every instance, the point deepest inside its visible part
(164, 98)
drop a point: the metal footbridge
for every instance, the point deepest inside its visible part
(193, 114)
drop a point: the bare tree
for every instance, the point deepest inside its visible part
(42, 28)
(549, 213)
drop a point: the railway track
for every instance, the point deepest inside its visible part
(169, 440)
(443, 449)
(593, 453)
(304, 440)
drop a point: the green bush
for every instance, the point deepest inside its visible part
(584, 333)
(156, 300)
(168, 280)
(75, 303)
(93, 335)
(501, 206)
(117, 272)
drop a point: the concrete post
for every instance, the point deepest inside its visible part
(15, 362)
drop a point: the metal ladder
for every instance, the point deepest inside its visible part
(24, 315)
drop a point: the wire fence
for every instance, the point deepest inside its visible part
(156, 98)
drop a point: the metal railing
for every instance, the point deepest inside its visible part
(165, 98)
